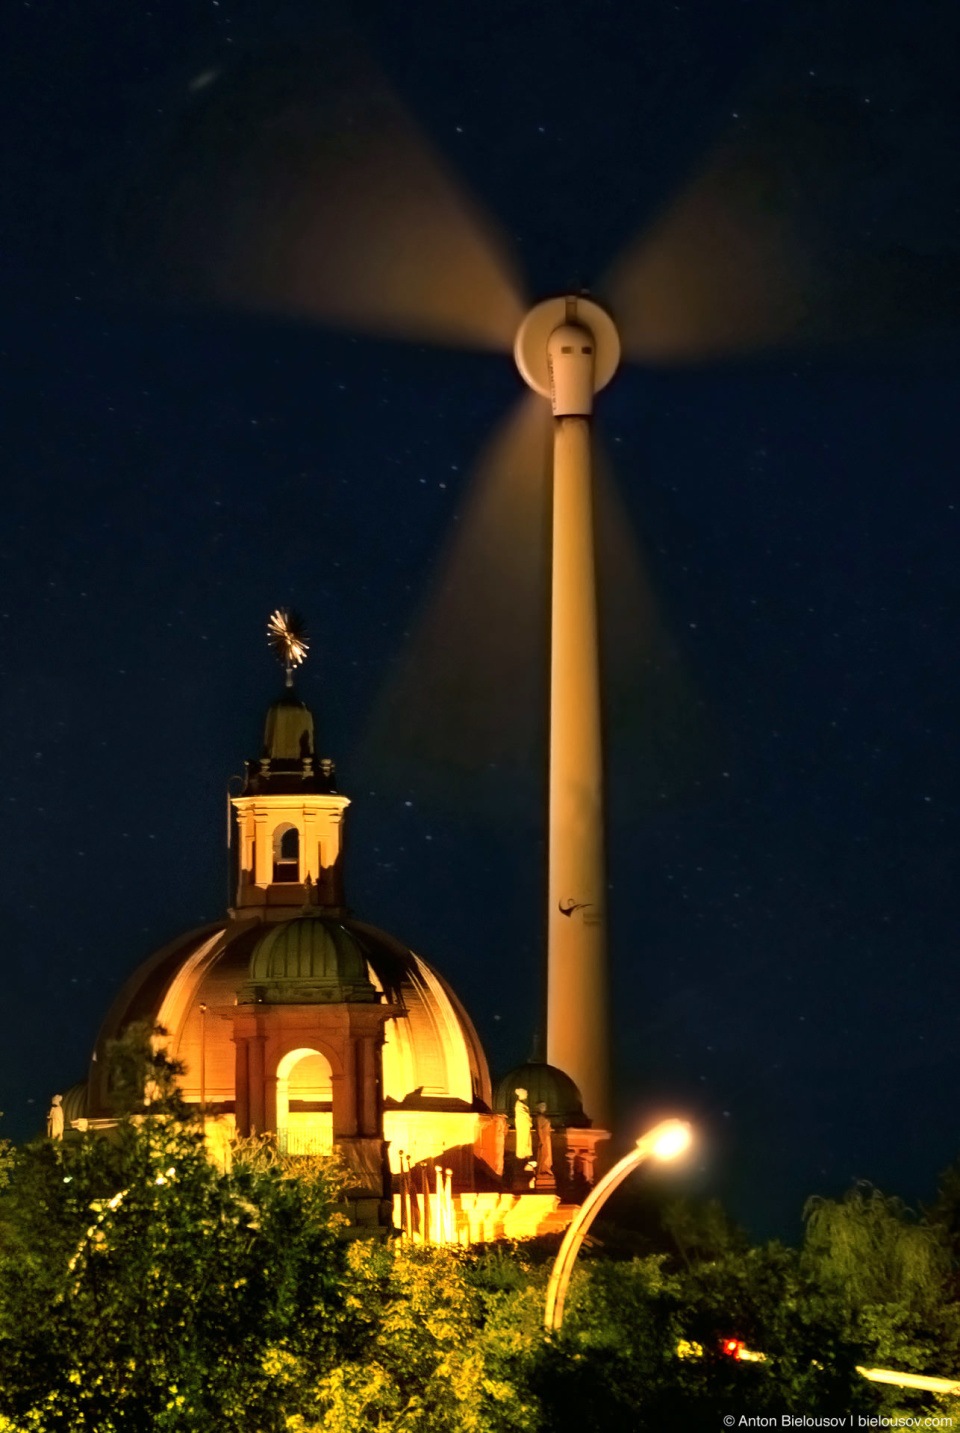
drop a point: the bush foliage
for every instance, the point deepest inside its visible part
(142, 1287)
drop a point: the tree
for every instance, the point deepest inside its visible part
(432, 1344)
(142, 1076)
(944, 1216)
(702, 1231)
(6, 1159)
(891, 1275)
(444, 1339)
(141, 1287)
(617, 1363)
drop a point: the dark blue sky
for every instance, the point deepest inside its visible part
(784, 914)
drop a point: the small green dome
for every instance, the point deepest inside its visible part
(309, 960)
(544, 1084)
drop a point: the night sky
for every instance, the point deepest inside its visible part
(179, 461)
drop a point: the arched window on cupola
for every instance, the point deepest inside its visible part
(286, 853)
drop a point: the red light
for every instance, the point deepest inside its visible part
(733, 1347)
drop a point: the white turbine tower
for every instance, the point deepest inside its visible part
(567, 349)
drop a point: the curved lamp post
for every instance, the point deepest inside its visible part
(664, 1141)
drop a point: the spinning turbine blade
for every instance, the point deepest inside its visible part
(466, 706)
(659, 737)
(720, 272)
(304, 187)
(776, 242)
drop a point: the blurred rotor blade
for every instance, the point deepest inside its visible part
(465, 713)
(718, 273)
(301, 185)
(465, 716)
(783, 239)
(660, 738)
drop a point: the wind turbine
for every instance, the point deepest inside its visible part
(567, 349)
(304, 187)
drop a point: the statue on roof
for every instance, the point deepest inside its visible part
(55, 1118)
(544, 1144)
(523, 1125)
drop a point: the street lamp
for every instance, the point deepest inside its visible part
(664, 1141)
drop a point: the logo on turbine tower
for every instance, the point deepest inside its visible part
(592, 914)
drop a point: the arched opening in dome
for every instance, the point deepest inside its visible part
(304, 1103)
(286, 853)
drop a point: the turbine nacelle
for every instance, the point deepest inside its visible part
(570, 363)
(567, 349)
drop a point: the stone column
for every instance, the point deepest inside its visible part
(270, 1102)
(257, 1102)
(369, 1102)
(263, 852)
(348, 1124)
(333, 852)
(248, 840)
(242, 1105)
(309, 848)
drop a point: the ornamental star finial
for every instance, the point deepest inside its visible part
(287, 636)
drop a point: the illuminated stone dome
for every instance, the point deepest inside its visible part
(432, 1057)
(289, 958)
(309, 959)
(544, 1084)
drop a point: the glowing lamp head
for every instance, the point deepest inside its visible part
(666, 1140)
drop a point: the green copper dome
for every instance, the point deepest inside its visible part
(310, 960)
(544, 1084)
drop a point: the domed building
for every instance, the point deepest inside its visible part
(292, 1017)
(289, 1014)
